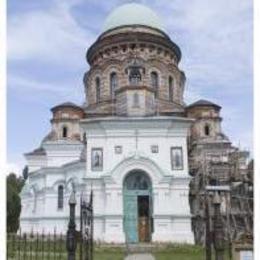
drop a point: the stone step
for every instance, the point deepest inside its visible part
(139, 257)
(140, 248)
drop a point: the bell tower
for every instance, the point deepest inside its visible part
(207, 125)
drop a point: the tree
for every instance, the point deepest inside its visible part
(14, 187)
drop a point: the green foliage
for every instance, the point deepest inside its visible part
(14, 187)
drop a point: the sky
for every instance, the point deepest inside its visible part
(48, 40)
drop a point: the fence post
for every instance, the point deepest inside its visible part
(92, 225)
(218, 229)
(208, 230)
(71, 233)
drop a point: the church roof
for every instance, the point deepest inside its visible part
(202, 103)
(65, 104)
(38, 151)
(132, 14)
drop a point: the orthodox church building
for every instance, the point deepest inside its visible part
(131, 141)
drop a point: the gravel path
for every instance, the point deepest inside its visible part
(140, 257)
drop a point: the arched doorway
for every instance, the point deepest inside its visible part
(138, 207)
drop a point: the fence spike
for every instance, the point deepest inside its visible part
(19, 245)
(43, 244)
(37, 245)
(30, 243)
(13, 244)
(54, 243)
(49, 245)
(25, 247)
(60, 246)
(7, 246)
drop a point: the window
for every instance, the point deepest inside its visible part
(135, 76)
(170, 88)
(155, 82)
(64, 132)
(60, 196)
(135, 100)
(97, 90)
(207, 130)
(118, 149)
(154, 149)
(137, 181)
(34, 193)
(113, 83)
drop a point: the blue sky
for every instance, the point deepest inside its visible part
(48, 39)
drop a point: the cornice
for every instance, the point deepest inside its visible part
(136, 37)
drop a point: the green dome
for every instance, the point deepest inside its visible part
(132, 14)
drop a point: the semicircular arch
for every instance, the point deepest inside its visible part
(130, 164)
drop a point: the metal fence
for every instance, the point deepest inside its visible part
(45, 246)
(75, 245)
(38, 246)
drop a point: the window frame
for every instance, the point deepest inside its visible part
(65, 136)
(154, 77)
(98, 89)
(60, 200)
(113, 85)
(171, 87)
(207, 130)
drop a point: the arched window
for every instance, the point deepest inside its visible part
(64, 132)
(97, 90)
(113, 83)
(137, 181)
(34, 193)
(135, 76)
(170, 88)
(60, 196)
(207, 130)
(155, 82)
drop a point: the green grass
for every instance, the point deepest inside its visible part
(168, 252)
(183, 252)
(109, 252)
(180, 252)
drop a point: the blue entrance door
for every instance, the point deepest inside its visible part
(130, 218)
(136, 184)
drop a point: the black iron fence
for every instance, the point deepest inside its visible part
(38, 246)
(75, 245)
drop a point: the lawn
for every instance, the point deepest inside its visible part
(179, 255)
(171, 252)
(48, 250)
(180, 252)
(111, 253)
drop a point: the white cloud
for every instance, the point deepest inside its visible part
(26, 84)
(215, 38)
(44, 92)
(48, 35)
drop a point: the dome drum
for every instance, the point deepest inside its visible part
(127, 42)
(134, 54)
